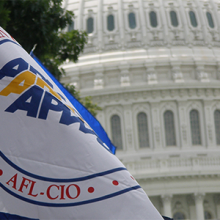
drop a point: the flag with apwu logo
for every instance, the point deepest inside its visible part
(90, 119)
(52, 164)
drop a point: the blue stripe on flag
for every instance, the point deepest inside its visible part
(7, 40)
(7, 216)
(60, 180)
(74, 203)
(83, 111)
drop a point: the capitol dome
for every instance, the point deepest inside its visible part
(154, 68)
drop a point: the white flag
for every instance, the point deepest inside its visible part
(52, 164)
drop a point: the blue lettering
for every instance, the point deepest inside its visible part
(33, 70)
(13, 68)
(66, 117)
(48, 104)
(31, 106)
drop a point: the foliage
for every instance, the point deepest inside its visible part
(72, 90)
(4, 15)
(87, 101)
(41, 23)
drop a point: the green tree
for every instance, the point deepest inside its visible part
(4, 15)
(41, 23)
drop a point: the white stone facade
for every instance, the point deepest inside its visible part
(157, 68)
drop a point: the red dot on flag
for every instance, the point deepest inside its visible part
(115, 182)
(90, 189)
(1, 172)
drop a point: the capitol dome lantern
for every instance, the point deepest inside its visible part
(154, 68)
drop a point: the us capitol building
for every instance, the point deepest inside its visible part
(154, 68)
